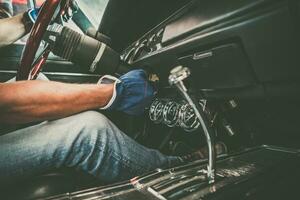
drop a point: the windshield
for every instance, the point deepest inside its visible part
(94, 9)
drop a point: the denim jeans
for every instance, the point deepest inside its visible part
(88, 142)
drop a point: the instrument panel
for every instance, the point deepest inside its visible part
(172, 114)
(177, 113)
(234, 48)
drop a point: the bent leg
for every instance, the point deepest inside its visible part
(86, 141)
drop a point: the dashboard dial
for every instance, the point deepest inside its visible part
(156, 111)
(188, 119)
(171, 113)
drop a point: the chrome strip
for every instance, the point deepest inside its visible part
(156, 194)
(201, 55)
(98, 57)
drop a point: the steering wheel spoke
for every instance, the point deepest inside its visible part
(39, 63)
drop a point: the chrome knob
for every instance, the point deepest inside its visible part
(179, 74)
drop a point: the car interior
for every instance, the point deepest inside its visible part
(238, 61)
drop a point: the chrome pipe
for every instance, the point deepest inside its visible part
(177, 75)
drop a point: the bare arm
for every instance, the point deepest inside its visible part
(31, 101)
(11, 29)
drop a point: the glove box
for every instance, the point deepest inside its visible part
(223, 67)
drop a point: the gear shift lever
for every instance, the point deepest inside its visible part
(177, 75)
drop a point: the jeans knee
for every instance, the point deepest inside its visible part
(93, 128)
(83, 133)
(92, 120)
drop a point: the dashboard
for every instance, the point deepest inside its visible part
(241, 49)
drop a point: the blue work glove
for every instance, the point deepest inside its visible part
(132, 93)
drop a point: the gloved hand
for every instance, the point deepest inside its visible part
(132, 92)
(33, 14)
(29, 18)
(70, 9)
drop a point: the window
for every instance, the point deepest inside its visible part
(94, 9)
(14, 7)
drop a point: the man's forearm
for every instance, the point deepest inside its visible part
(31, 101)
(12, 29)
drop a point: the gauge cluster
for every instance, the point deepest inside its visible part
(174, 114)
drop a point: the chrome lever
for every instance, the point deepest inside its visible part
(177, 75)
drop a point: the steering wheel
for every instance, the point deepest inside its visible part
(30, 64)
